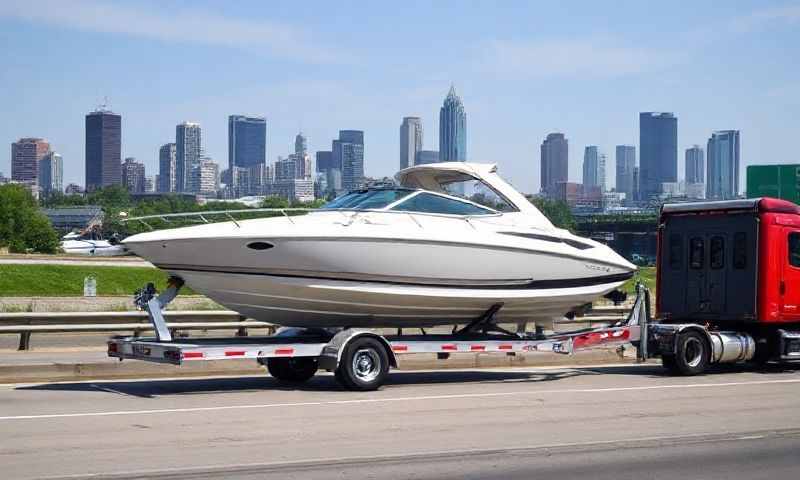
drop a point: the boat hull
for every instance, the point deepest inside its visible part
(320, 302)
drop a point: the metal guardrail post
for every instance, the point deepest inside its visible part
(24, 341)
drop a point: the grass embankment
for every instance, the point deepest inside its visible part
(646, 275)
(67, 280)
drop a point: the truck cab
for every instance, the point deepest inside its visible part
(730, 267)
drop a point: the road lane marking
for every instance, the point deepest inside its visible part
(329, 462)
(395, 399)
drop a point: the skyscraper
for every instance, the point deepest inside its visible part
(103, 149)
(426, 157)
(554, 162)
(452, 129)
(658, 152)
(300, 144)
(166, 168)
(723, 165)
(695, 165)
(410, 141)
(594, 168)
(188, 148)
(205, 177)
(133, 175)
(26, 153)
(51, 173)
(247, 141)
(625, 165)
(348, 157)
(324, 161)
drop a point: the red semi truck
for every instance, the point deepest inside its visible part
(728, 276)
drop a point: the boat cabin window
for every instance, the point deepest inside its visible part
(430, 203)
(478, 192)
(368, 199)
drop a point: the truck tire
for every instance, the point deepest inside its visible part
(364, 365)
(693, 353)
(292, 370)
(669, 363)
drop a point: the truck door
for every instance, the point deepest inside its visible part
(790, 276)
(696, 274)
(717, 272)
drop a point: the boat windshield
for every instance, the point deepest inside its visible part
(426, 202)
(368, 199)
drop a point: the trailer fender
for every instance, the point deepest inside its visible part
(332, 352)
(666, 336)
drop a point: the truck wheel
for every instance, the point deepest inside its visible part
(292, 370)
(364, 365)
(693, 355)
(669, 363)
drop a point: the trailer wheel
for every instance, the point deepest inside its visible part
(292, 370)
(364, 365)
(693, 354)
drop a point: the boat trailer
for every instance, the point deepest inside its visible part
(361, 358)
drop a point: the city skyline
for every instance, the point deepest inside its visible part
(550, 76)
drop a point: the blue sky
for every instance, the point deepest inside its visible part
(523, 69)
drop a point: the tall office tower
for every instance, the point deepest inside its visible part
(695, 165)
(658, 152)
(103, 149)
(166, 168)
(285, 169)
(626, 163)
(133, 175)
(150, 183)
(636, 176)
(188, 149)
(51, 173)
(324, 161)
(594, 168)
(26, 153)
(410, 141)
(452, 129)
(247, 141)
(205, 177)
(348, 157)
(300, 144)
(723, 165)
(554, 162)
(425, 157)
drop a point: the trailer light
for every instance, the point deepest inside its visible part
(477, 348)
(234, 353)
(171, 354)
(112, 348)
(187, 355)
(400, 348)
(284, 351)
(505, 347)
(450, 347)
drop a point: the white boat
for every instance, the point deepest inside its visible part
(76, 243)
(420, 254)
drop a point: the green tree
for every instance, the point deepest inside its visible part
(556, 211)
(23, 227)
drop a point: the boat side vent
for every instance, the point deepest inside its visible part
(259, 245)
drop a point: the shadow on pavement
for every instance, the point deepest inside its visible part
(398, 378)
(321, 382)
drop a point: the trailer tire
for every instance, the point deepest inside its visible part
(292, 370)
(693, 353)
(364, 365)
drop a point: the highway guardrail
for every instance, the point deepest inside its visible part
(27, 323)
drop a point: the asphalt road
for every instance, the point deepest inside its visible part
(589, 422)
